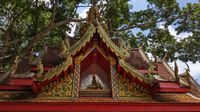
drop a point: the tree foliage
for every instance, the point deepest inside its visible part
(27, 25)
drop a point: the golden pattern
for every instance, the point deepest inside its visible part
(58, 69)
(129, 89)
(40, 69)
(59, 89)
(130, 69)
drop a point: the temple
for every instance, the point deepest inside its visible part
(97, 73)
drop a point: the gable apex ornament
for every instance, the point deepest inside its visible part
(93, 15)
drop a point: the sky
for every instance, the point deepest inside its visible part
(194, 68)
(141, 5)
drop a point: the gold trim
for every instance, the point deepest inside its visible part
(58, 69)
(82, 42)
(120, 52)
(130, 69)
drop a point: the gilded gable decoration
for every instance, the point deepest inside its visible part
(130, 89)
(62, 89)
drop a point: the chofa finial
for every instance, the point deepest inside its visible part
(93, 15)
(176, 71)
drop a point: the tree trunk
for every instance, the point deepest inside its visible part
(34, 40)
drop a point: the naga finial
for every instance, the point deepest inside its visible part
(40, 69)
(176, 71)
(65, 46)
(188, 74)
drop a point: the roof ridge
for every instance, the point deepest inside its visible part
(132, 70)
(57, 69)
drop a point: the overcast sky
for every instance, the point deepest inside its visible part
(141, 5)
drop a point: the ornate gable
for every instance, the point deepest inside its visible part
(96, 67)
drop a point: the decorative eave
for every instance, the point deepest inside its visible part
(143, 55)
(172, 73)
(130, 69)
(82, 42)
(120, 52)
(58, 69)
(171, 87)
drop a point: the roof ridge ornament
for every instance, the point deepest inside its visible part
(176, 71)
(93, 15)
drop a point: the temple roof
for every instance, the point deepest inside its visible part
(194, 87)
(52, 56)
(136, 59)
(164, 71)
(133, 61)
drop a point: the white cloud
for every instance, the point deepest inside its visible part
(73, 28)
(174, 33)
(82, 14)
(194, 68)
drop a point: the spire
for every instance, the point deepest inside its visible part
(93, 15)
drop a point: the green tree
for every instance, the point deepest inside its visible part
(27, 25)
(24, 23)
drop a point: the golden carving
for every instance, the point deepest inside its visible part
(65, 46)
(40, 69)
(58, 69)
(93, 15)
(59, 89)
(129, 89)
(130, 69)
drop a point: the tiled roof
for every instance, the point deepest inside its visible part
(163, 72)
(194, 88)
(23, 66)
(136, 59)
(52, 56)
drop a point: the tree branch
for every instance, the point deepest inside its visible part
(149, 22)
(2, 30)
(14, 42)
(83, 6)
(54, 11)
(44, 33)
(37, 37)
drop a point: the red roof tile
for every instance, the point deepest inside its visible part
(194, 88)
(136, 60)
(52, 56)
(163, 72)
(23, 66)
